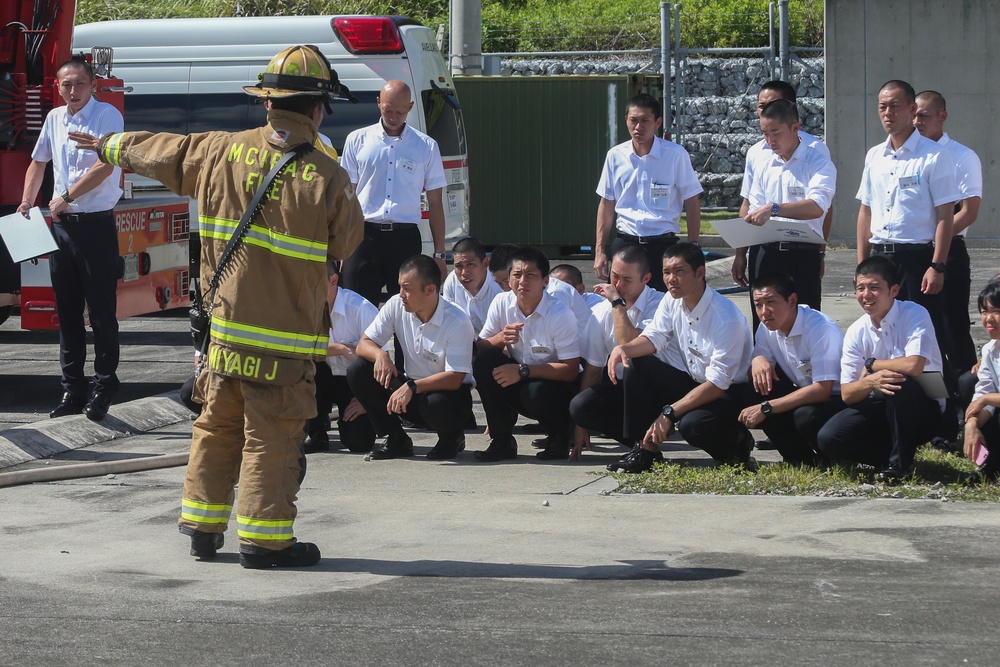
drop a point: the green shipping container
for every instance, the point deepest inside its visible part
(536, 148)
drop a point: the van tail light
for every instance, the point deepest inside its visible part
(368, 34)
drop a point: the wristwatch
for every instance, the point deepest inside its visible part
(65, 196)
(413, 386)
(775, 208)
(620, 301)
(939, 266)
(440, 255)
(765, 408)
(668, 412)
(869, 363)
(524, 371)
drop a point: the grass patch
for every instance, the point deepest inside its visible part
(938, 476)
(706, 220)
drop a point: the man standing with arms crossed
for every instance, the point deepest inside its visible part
(929, 121)
(269, 320)
(390, 164)
(85, 269)
(644, 185)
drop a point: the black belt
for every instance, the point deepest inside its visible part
(85, 217)
(389, 226)
(785, 246)
(895, 248)
(643, 240)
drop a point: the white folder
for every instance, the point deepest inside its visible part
(27, 238)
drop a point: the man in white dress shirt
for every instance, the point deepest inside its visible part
(794, 383)
(573, 277)
(888, 414)
(436, 339)
(390, 164)
(793, 182)
(711, 349)
(627, 307)
(929, 121)
(645, 184)
(537, 375)
(471, 286)
(350, 315)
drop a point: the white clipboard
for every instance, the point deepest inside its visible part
(27, 238)
(739, 233)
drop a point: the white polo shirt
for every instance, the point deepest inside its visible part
(969, 169)
(601, 339)
(350, 316)
(567, 294)
(648, 191)
(476, 306)
(713, 340)
(808, 174)
(989, 373)
(548, 335)
(809, 353)
(906, 331)
(391, 172)
(69, 163)
(761, 150)
(903, 186)
(444, 343)
(593, 299)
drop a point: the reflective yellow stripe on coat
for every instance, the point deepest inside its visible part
(238, 333)
(262, 237)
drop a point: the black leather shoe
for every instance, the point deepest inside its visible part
(205, 545)
(393, 446)
(447, 448)
(765, 444)
(300, 554)
(540, 443)
(557, 449)
(98, 407)
(641, 460)
(316, 442)
(613, 467)
(69, 405)
(742, 455)
(980, 477)
(891, 476)
(499, 450)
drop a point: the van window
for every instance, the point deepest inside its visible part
(444, 124)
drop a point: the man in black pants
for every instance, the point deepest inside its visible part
(85, 269)
(537, 376)
(707, 343)
(888, 414)
(436, 339)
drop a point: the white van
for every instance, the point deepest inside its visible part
(187, 75)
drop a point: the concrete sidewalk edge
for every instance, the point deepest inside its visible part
(47, 438)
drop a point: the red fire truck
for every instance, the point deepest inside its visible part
(153, 234)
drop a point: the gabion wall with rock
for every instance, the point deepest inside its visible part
(717, 120)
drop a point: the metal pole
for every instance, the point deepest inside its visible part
(665, 66)
(770, 41)
(678, 76)
(467, 31)
(786, 69)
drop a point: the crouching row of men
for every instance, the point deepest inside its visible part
(652, 363)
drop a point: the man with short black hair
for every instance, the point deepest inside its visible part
(628, 306)
(500, 264)
(888, 414)
(537, 375)
(436, 339)
(707, 343)
(794, 383)
(471, 286)
(645, 184)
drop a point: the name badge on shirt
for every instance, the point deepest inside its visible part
(406, 165)
(806, 368)
(796, 193)
(909, 181)
(540, 349)
(659, 190)
(429, 355)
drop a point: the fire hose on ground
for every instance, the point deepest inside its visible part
(78, 471)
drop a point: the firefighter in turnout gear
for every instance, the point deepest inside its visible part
(269, 320)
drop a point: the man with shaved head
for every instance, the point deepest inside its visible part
(390, 164)
(929, 121)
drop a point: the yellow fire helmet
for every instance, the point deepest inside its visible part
(300, 70)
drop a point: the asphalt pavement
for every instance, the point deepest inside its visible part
(463, 563)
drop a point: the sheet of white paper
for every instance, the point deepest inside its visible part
(27, 238)
(738, 233)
